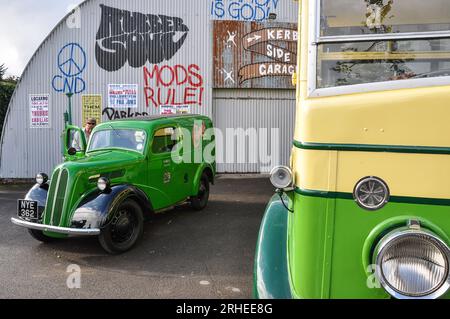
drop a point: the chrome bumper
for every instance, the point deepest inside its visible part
(55, 229)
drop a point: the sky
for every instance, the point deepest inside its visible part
(24, 24)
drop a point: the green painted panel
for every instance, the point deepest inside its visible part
(271, 271)
(373, 148)
(59, 199)
(317, 270)
(51, 197)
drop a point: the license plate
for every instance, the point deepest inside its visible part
(28, 210)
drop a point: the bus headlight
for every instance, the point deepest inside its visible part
(413, 263)
(281, 177)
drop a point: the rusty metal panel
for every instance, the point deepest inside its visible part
(254, 55)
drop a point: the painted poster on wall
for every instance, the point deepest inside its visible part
(39, 110)
(175, 109)
(122, 95)
(254, 55)
(91, 108)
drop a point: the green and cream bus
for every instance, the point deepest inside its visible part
(364, 209)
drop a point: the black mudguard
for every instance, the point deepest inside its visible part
(95, 210)
(39, 194)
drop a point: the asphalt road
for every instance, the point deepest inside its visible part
(184, 254)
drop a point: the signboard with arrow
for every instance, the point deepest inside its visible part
(254, 55)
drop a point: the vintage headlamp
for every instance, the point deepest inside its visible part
(413, 263)
(281, 177)
(41, 178)
(103, 184)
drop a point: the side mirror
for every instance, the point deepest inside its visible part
(73, 142)
(72, 151)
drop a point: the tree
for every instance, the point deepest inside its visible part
(6, 91)
(12, 79)
(7, 87)
(2, 71)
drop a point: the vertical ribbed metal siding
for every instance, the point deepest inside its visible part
(259, 109)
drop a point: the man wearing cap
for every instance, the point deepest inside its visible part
(87, 130)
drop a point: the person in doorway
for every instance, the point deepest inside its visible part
(91, 123)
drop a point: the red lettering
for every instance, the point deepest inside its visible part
(149, 96)
(194, 72)
(188, 94)
(149, 75)
(200, 100)
(39, 113)
(163, 83)
(171, 76)
(166, 102)
(178, 70)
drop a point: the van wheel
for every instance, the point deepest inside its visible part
(40, 236)
(124, 229)
(200, 201)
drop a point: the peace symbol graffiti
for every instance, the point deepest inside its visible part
(71, 62)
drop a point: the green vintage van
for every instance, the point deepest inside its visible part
(129, 169)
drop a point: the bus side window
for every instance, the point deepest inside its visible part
(398, 58)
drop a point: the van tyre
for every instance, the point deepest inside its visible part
(200, 201)
(124, 229)
(40, 236)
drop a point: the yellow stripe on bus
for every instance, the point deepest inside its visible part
(408, 175)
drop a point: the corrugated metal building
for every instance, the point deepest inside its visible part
(229, 59)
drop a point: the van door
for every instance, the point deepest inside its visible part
(73, 143)
(164, 177)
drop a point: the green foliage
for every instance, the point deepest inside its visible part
(3, 69)
(6, 91)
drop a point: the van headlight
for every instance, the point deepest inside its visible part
(281, 177)
(413, 263)
(41, 178)
(103, 184)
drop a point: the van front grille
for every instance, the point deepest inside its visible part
(56, 198)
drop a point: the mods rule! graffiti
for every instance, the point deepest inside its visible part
(137, 38)
(173, 85)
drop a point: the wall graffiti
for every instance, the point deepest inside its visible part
(263, 57)
(115, 114)
(261, 42)
(137, 38)
(71, 64)
(246, 10)
(173, 85)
